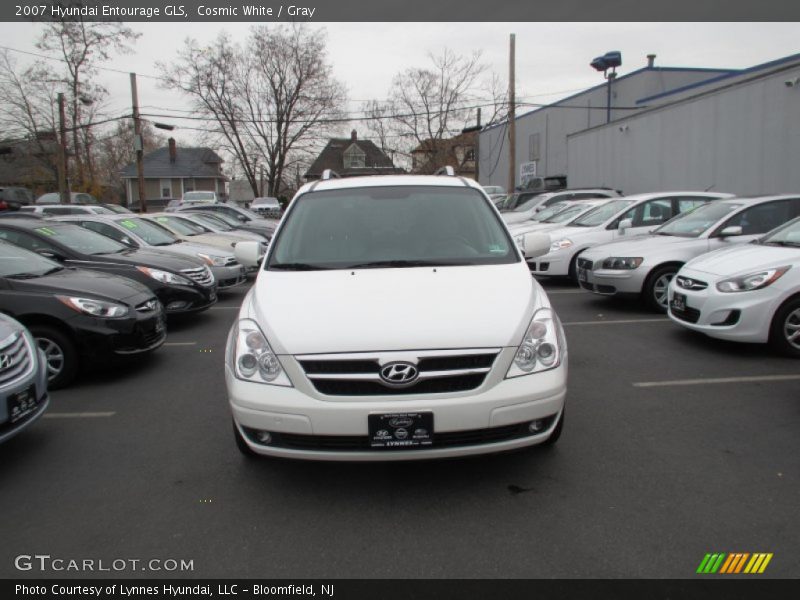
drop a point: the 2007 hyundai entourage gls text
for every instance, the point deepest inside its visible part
(394, 318)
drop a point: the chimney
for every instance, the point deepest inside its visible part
(353, 135)
(651, 59)
(173, 151)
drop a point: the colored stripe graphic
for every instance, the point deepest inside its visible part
(704, 563)
(727, 564)
(764, 564)
(734, 563)
(711, 563)
(741, 562)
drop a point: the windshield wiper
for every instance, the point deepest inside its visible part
(781, 243)
(53, 270)
(298, 267)
(378, 264)
(24, 276)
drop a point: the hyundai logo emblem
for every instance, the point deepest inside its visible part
(5, 362)
(399, 374)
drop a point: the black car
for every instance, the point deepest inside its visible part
(236, 216)
(12, 198)
(182, 284)
(77, 316)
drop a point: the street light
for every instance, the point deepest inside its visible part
(610, 60)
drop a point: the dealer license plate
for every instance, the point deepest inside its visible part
(400, 430)
(678, 302)
(21, 404)
(581, 274)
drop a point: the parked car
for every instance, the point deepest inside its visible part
(23, 376)
(136, 232)
(116, 208)
(745, 293)
(627, 216)
(556, 215)
(74, 198)
(77, 316)
(182, 284)
(13, 198)
(211, 223)
(266, 207)
(242, 221)
(526, 209)
(511, 201)
(552, 183)
(18, 214)
(50, 210)
(372, 333)
(645, 265)
(199, 196)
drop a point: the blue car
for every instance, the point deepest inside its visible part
(23, 379)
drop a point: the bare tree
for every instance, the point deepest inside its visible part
(266, 99)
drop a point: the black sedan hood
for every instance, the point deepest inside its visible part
(150, 258)
(82, 282)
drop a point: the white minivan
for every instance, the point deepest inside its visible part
(372, 331)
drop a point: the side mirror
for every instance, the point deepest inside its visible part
(248, 253)
(731, 231)
(52, 255)
(535, 244)
(624, 225)
(128, 242)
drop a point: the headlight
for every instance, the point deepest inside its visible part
(622, 263)
(560, 244)
(542, 347)
(165, 276)
(214, 261)
(96, 308)
(753, 281)
(253, 359)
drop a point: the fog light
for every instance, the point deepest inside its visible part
(536, 426)
(177, 305)
(264, 437)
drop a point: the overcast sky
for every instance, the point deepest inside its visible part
(552, 58)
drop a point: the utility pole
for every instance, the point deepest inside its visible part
(512, 125)
(138, 145)
(63, 173)
(478, 149)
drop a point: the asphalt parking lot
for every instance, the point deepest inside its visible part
(675, 445)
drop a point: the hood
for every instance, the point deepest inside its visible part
(417, 308)
(516, 217)
(645, 245)
(218, 240)
(150, 258)
(744, 258)
(522, 228)
(82, 282)
(192, 248)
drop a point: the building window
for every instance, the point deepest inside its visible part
(354, 157)
(166, 188)
(533, 147)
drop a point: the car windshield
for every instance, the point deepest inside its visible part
(16, 262)
(222, 216)
(566, 214)
(150, 232)
(80, 240)
(181, 226)
(194, 196)
(401, 226)
(212, 221)
(788, 235)
(601, 214)
(550, 211)
(694, 223)
(528, 203)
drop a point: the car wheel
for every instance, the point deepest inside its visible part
(785, 329)
(655, 288)
(61, 357)
(573, 270)
(557, 431)
(241, 444)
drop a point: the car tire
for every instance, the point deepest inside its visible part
(241, 444)
(572, 273)
(655, 287)
(785, 322)
(557, 431)
(60, 353)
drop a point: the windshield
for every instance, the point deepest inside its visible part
(694, 223)
(528, 203)
(788, 235)
(213, 222)
(390, 227)
(152, 234)
(81, 240)
(181, 226)
(224, 217)
(16, 262)
(567, 214)
(601, 214)
(191, 196)
(550, 211)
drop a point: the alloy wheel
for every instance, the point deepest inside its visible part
(660, 288)
(54, 356)
(791, 328)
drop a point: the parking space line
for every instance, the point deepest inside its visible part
(618, 322)
(78, 415)
(553, 292)
(180, 343)
(718, 380)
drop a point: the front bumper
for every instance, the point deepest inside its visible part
(35, 379)
(229, 276)
(555, 264)
(739, 317)
(181, 299)
(491, 417)
(105, 337)
(607, 282)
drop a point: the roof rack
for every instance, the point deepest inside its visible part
(447, 170)
(330, 174)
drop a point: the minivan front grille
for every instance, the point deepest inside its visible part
(437, 372)
(15, 359)
(201, 275)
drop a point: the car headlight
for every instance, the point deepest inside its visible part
(96, 308)
(542, 347)
(214, 261)
(622, 263)
(164, 276)
(560, 244)
(253, 359)
(752, 281)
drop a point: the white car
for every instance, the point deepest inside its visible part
(528, 208)
(371, 332)
(747, 293)
(555, 216)
(632, 215)
(644, 266)
(51, 210)
(266, 206)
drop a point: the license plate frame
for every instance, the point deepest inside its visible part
(678, 302)
(21, 404)
(400, 431)
(582, 275)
